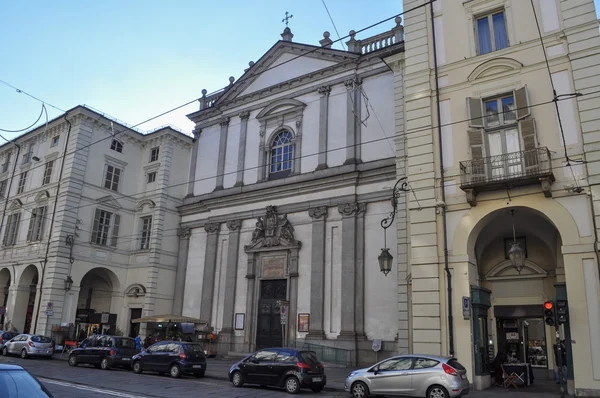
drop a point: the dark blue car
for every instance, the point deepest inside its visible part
(281, 367)
(173, 357)
(104, 352)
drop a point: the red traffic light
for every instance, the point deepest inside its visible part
(548, 305)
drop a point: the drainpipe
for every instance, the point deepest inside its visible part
(443, 189)
(45, 260)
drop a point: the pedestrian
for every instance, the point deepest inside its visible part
(500, 359)
(148, 341)
(138, 343)
(563, 357)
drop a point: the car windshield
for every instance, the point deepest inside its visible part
(195, 348)
(124, 343)
(41, 339)
(19, 383)
(310, 357)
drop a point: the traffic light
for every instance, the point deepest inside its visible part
(549, 315)
(562, 311)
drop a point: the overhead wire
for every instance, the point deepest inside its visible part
(333, 23)
(30, 126)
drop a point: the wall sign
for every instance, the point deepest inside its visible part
(466, 307)
(240, 319)
(303, 322)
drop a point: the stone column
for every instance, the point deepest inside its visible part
(348, 212)
(317, 273)
(239, 179)
(359, 290)
(357, 121)
(353, 121)
(323, 124)
(182, 259)
(210, 263)
(231, 274)
(191, 182)
(291, 327)
(250, 304)
(222, 153)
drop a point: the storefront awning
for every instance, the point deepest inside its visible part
(169, 318)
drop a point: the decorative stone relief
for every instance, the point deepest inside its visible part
(348, 209)
(272, 230)
(234, 225)
(224, 121)
(184, 233)
(245, 115)
(212, 227)
(318, 212)
(325, 90)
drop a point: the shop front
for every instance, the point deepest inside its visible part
(88, 322)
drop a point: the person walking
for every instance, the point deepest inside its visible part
(138, 343)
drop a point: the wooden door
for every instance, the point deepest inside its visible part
(269, 329)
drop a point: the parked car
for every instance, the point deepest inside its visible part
(174, 357)
(281, 367)
(104, 352)
(410, 375)
(18, 382)
(29, 345)
(4, 337)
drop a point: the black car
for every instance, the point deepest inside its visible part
(174, 357)
(281, 367)
(17, 382)
(104, 351)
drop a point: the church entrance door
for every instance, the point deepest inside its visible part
(269, 329)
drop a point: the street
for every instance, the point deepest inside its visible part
(84, 381)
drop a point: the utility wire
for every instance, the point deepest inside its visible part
(28, 127)
(333, 23)
(18, 90)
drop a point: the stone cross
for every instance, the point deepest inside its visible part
(287, 18)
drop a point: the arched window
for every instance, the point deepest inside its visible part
(282, 153)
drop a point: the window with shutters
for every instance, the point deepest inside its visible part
(6, 163)
(112, 177)
(22, 181)
(48, 172)
(500, 132)
(12, 229)
(36, 224)
(146, 229)
(105, 228)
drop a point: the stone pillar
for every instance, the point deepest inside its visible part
(71, 299)
(298, 146)
(222, 153)
(210, 263)
(231, 274)
(350, 122)
(17, 306)
(239, 179)
(250, 303)
(359, 289)
(317, 273)
(191, 182)
(348, 212)
(182, 259)
(293, 295)
(323, 124)
(263, 150)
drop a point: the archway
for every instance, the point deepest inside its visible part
(95, 309)
(23, 317)
(5, 280)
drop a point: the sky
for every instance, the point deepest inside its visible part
(134, 59)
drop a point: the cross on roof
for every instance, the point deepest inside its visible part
(287, 18)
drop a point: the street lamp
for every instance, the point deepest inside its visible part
(68, 283)
(385, 258)
(516, 252)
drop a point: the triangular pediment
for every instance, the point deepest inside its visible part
(15, 204)
(109, 201)
(278, 66)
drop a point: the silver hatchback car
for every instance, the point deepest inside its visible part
(410, 375)
(27, 345)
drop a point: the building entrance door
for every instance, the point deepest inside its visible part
(269, 330)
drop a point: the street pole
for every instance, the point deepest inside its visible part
(559, 363)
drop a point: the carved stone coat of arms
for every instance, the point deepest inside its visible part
(272, 230)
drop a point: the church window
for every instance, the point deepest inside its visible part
(282, 154)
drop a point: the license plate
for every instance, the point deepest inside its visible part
(317, 379)
(125, 359)
(197, 366)
(464, 377)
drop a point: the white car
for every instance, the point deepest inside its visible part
(27, 345)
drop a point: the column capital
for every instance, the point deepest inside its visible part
(324, 90)
(197, 131)
(224, 122)
(184, 233)
(317, 213)
(234, 225)
(353, 83)
(212, 227)
(245, 115)
(348, 209)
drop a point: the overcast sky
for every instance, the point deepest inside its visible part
(135, 59)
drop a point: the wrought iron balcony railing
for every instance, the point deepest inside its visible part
(507, 169)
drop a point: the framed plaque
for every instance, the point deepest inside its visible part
(240, 319)
(303, 322)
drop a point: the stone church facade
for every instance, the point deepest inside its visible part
(292, 173)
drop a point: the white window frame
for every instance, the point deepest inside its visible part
(292, 144)
(55, 141)
(489, 14)
(48, 172)
(6, 164)
(116, 145)
(3, 188)
(113, 176)
(22, 182)
(106, 234)
(37, 222)
(11, 232)
(151, 176)
(145, 232)
(154, 155)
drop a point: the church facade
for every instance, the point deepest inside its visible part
(292, 172)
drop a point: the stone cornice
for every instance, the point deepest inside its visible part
(317, 181)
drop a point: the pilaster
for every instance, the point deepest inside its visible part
(348, 212)
(234, 227)
(182, 259)
(222, 153)
(317, 273)
(210, 263)
(359, 289)
(190, 188)
(323, 125)
(239, 179)
(352, 114)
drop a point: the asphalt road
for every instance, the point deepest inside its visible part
(85, 381)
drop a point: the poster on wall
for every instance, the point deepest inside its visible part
(239, 321)
(303, 321)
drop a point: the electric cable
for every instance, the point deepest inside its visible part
(333, 23)
(28, 127)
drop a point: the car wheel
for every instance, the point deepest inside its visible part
(317, 389)
(359, 390)
(24, 353)
(72, 360)
(137, 367)
(175, 371)
(5, 351)
(292, 385)
(437, 392)
(199, 375)
(237, 380)
(104, 365)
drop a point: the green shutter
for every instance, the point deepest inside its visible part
(95, 226)
(475, 112)
(522, 102)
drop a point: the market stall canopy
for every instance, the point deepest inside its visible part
(169, 318)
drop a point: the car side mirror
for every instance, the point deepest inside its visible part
(254, 360)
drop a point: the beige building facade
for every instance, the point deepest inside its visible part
(491, 159)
